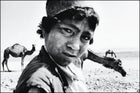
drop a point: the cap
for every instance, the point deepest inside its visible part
(54, 7)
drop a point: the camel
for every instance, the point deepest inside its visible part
(110, 52)
(16, 50)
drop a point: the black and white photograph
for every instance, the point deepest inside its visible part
(52, 46)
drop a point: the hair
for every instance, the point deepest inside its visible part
(76, 13)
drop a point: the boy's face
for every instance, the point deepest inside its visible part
(68, 40)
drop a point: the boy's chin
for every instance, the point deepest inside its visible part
(66, 62)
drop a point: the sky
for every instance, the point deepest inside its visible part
(118, 27)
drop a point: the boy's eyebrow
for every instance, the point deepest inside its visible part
(72, 26)
(78, 30)
(75, 27)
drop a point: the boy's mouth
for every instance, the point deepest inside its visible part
(69, 55)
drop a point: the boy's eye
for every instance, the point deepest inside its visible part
(67, 31)
(86, 37)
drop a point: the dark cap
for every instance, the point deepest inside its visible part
(54, 7)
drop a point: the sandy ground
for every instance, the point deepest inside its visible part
(9, 81)
(108, 80)
(98, 78)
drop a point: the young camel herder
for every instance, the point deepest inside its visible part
(67, 32)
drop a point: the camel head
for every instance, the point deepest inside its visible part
(33, 47)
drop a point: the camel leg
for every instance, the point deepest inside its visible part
(7, 66)
(105, 54)
(3, 62)
(6, 56)
(22, 63)
(115, 55)
(82, 64)
(111, 54)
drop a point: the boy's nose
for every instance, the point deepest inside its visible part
(74, 45)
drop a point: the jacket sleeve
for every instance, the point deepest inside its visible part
(34, 75)
(36, 90)
(41, 79)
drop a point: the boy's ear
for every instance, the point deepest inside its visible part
(43, 33)
(91, 41)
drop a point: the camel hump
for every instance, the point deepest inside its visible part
(109, 58)
(17, 48)
(16, 44)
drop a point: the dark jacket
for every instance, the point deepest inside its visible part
(55, 77)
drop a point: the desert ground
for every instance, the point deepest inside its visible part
(98, 78)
